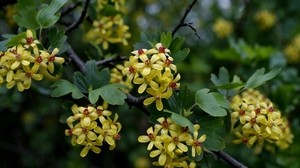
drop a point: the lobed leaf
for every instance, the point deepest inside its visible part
(212, 103)
(48, 15)
(64, 87)
(109, 93)
(259, 78)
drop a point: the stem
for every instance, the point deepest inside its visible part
(81, 18)
(78, 62)
(181, 23)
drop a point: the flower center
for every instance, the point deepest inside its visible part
(51, 59)
(39, 59)
(140, 51)
(241, 112)
(29, 40)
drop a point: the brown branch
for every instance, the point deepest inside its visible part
(74, 57)
(111, 60)
(182, 23)
(81, 18)
(191, 27)
(226, 158)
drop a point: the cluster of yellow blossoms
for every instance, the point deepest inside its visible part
(153, 70)
(222, 28)
(108, 29)
(26, 61)
(292, 50)
(91, 127)
(171, 142)
(257, 121)
(265, 19)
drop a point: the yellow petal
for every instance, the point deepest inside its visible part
(91, 135)
(84, 151)
(149, 101)
(162, 159)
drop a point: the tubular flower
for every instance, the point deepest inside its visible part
(256, 121)
(222, 28)
(154, 72)
(108, 29)
(26, 61)
(169, 142)
(93, 127)
(265, 19)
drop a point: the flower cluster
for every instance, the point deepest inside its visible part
(108, 29)
(265, 19)
(292, 50)
(170, 143)
(153, 70)
(21, 64)
(117, 76)
(256, 121)
(222, 28)
(91, 127)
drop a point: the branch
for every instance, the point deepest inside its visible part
(190, 26)
(81, 18)
(74, 57)
(137, 102)
(182, 23)
(111, 60)
(70, 9)
(226, 158)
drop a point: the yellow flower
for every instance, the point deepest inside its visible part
(292, 50)
(146, 80)
(52, 58)
(30, 41)
(149, 63)
(26, 75)
(151, 137)
(90, 145)
(265, 19)
(86, 115)
(86, 132)
(19, 56)
(245, 138)
(222, 28)
(157, 96)
(196, 142)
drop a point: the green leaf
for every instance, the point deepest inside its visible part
(212, 103)
(259, 78)
(166, 39)
(16, 40)
(222, 78)
(213, 141)
(81, 82)
(176, 44)
(48, 15)
(211, 123)
(95, 78)
(64, 87)
(229, 86)
(181, 120)
(94, 51)
(180, 55)
(26, 14)
(57, 38)
(109, 93)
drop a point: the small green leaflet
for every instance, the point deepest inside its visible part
(64, 87)
(212, 103)
(109, 93)
(48, 15)
(16, 39)
(181, 120)
(259, 78)
(166, 39)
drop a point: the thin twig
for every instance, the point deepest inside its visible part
(111, 60)
(137, 102)
(227, 158)
(81, 18)
(182, 23)
(74, 57)
(190, 26)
